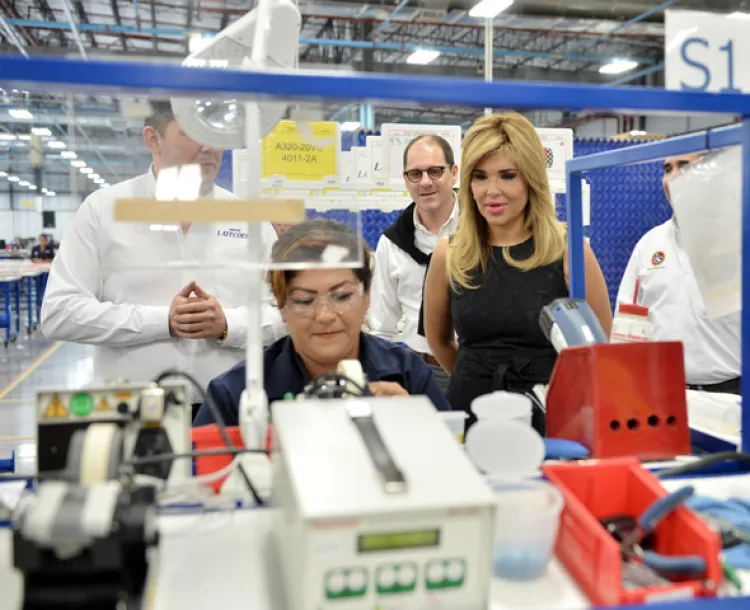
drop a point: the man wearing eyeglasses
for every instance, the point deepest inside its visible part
(659, 276)
(404, 250)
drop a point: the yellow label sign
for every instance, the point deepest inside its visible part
(288, 153)
(103, 406)
(55, 409)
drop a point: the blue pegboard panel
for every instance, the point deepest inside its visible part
(625, 203)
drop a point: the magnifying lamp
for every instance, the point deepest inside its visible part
(220, 123)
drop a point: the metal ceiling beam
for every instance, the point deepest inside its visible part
(83, 18)
(11, 36)
(189, 23)
(47, 12)
(154, 43)
(118, 19)
(73, 28)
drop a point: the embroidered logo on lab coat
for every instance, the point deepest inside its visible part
(231, 233)
(658, 258)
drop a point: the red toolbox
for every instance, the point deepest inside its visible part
(621, 400)
(598, 489)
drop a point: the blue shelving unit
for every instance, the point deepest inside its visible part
(98, 77)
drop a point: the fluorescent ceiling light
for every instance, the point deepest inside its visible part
(51, 193)
(13, 179)
(41, 131)
(32, 187)
(24, 183)
(487, 9)
(68, 154)
(20, 113)
(24, 136)
(3, 174)
(78, 163)
(99, 181)
(44, 190)
(618, 66)
(738, 15)
(7, 137)
(57, 144)
(422, 57)
(638, 132)
(87, 170)
(350, 126)
(94, 176)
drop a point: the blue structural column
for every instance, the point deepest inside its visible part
(574, 203)
(362, 116)
(745, 384)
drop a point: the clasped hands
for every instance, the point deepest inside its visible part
(195, 314)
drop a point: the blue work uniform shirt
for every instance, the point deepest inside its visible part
(284, 371)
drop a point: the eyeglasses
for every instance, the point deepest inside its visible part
(434, 173)
(339, 300)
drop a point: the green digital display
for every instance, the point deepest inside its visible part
(390, 541)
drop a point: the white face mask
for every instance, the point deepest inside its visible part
(707, 202)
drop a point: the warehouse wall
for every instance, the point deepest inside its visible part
(15, 221)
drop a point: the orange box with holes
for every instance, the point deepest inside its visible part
(618, 400)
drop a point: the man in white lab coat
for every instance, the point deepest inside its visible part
(155, 317)
(404, 250)
(659, 276)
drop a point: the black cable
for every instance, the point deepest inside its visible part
(155, 459)
(208, 401)
(710, 460)
(338, 385)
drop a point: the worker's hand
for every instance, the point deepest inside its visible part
(387, 388)
(198, 317)
(180, 298)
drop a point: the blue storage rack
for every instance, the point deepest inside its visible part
(167, 80)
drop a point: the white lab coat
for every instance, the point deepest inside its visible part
(396, 295)
(676, 310)
(92, 297)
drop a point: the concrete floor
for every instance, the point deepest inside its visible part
(33, 363)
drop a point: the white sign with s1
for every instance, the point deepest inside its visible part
(706, 52)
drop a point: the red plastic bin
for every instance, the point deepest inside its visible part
(597, 489)
(208, 437)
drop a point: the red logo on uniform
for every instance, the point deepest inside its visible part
(658, 258)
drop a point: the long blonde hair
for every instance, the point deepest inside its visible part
(470, 247)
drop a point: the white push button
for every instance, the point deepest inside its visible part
(436, 573)
(455, 570)
(356, 580)
(406, 575)
(386, 577)
(336, 582)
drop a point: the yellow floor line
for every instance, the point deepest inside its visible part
(16, 400)
(34, 365)
(6, 439)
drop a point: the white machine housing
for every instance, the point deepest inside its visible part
(116, 404)
(344, 542)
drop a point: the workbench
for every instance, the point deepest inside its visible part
(228, 560)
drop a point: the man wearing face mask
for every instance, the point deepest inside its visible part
(661, 271)
(156, 317)
(404, 250)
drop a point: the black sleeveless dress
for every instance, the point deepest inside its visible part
(501, 345)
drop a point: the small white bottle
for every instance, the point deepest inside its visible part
(631, 324)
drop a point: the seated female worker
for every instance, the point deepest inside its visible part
(324, 310)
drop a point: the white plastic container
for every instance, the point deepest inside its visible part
(631, 324)
(503, 406)
(528, 519)
(528, 508)
(456, 422)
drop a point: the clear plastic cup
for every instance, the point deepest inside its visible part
(503, 405)
(528, 516)
(456, 421)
